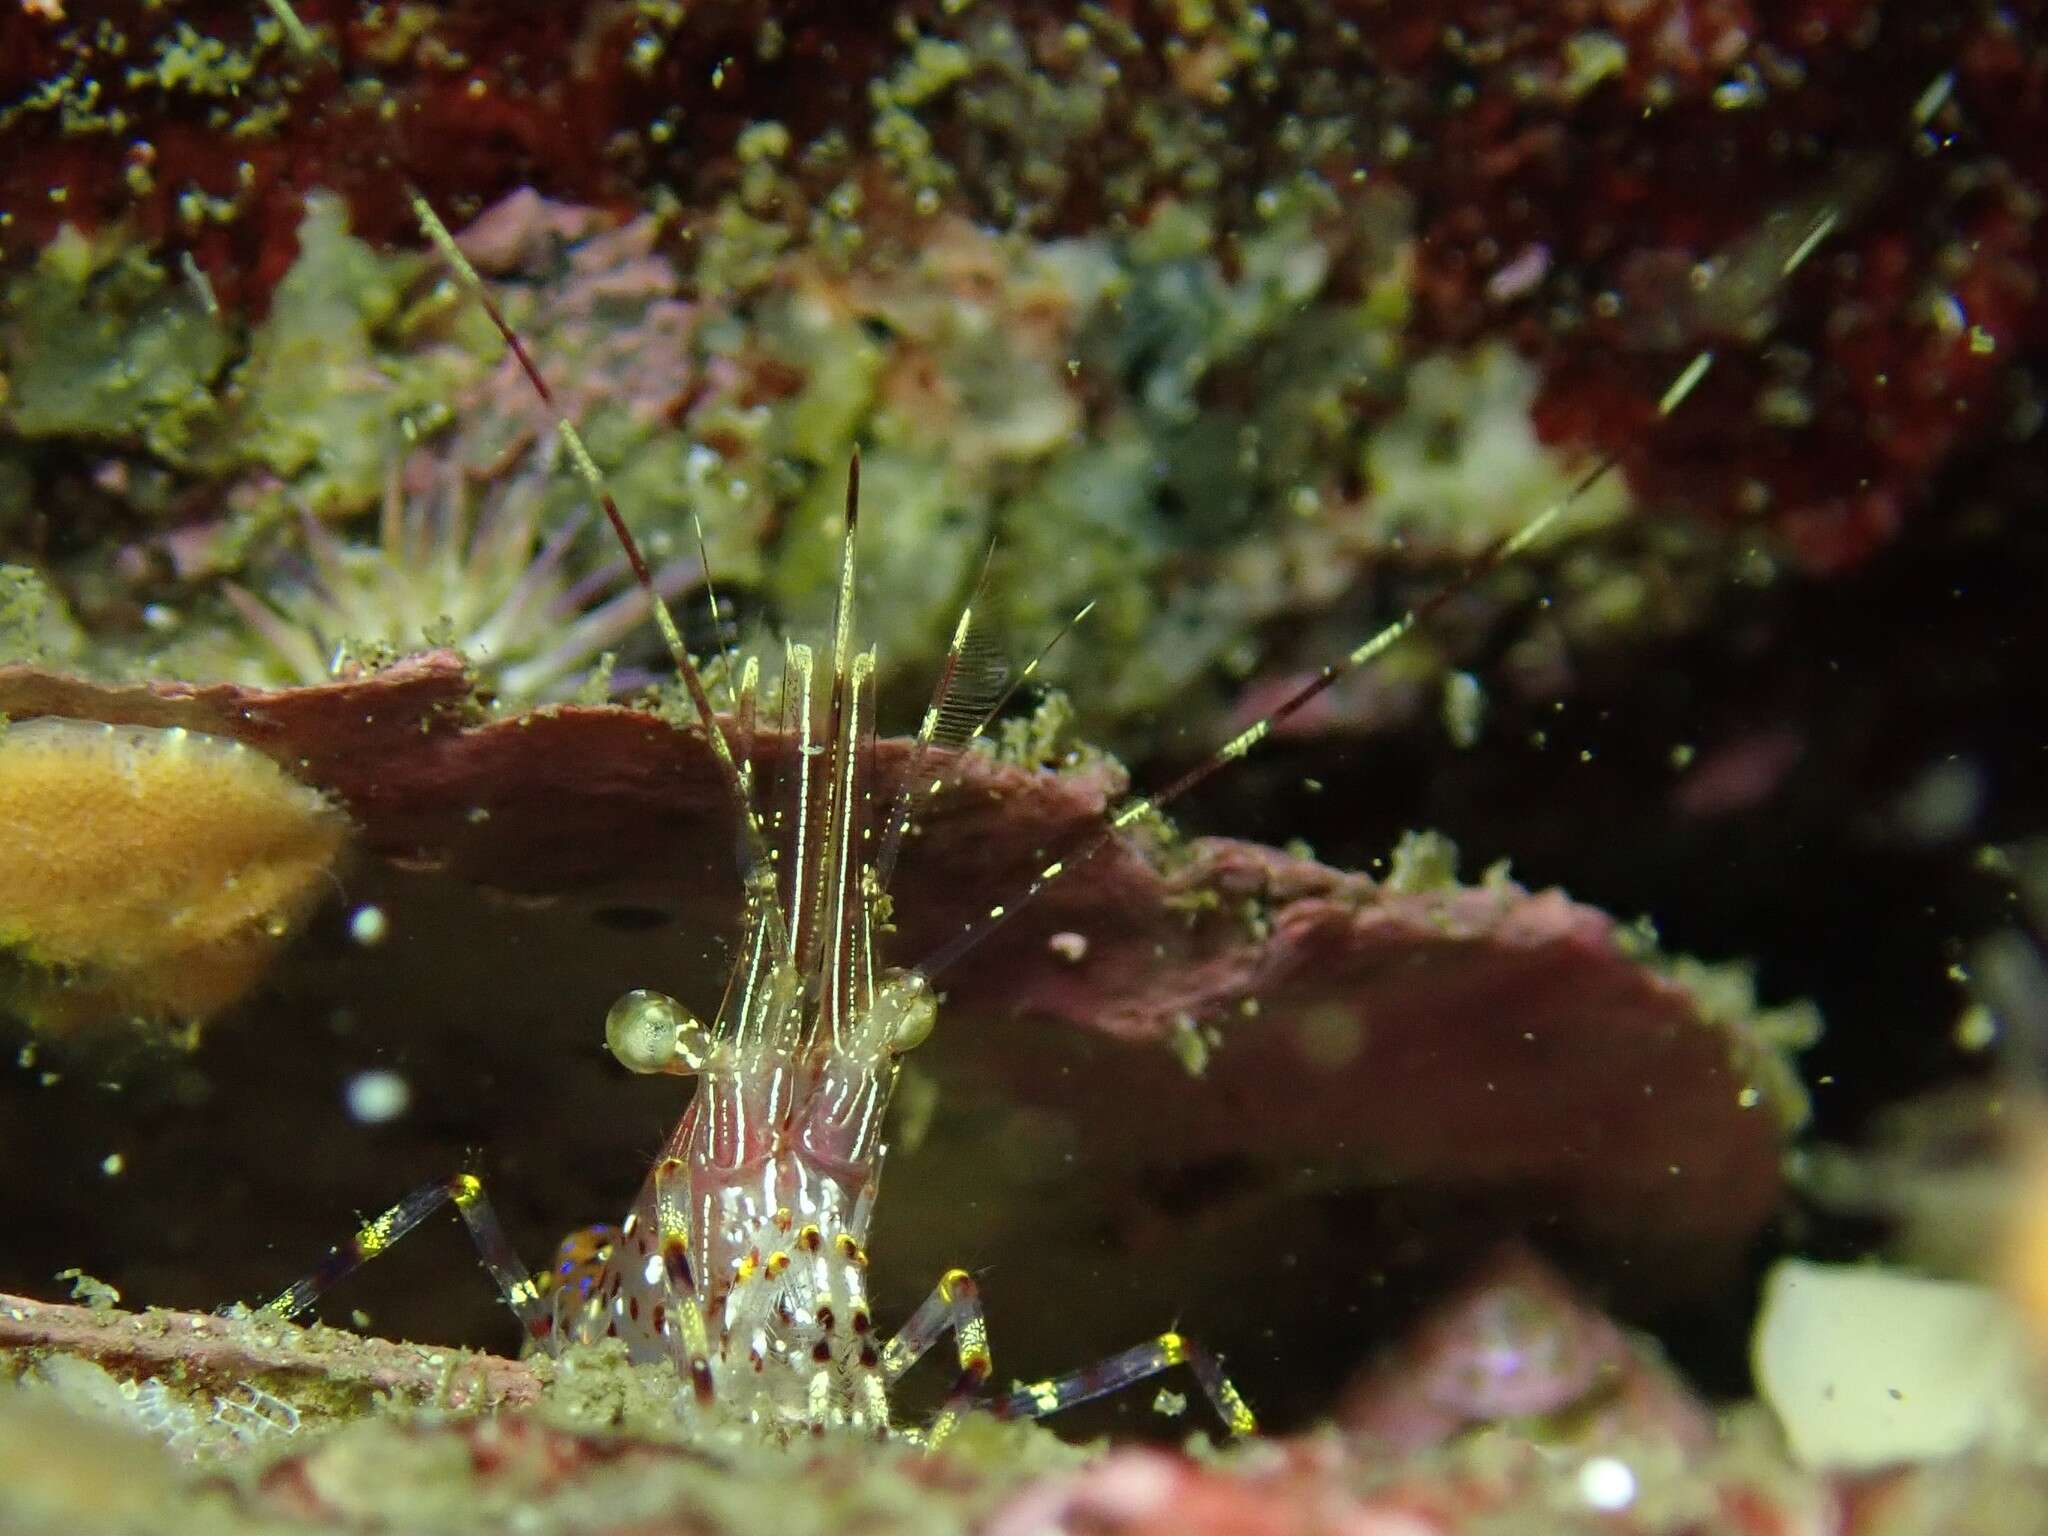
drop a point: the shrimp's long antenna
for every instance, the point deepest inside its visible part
(1140, 807)
(725, 645)
(1749, 272)
(1136, 809)
(1030, 669)
(757, 864)
(842, 967)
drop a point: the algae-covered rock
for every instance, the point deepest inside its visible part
(102, 341)
(323, 398)
(109, 345)
(589, 1448)
(1417, 1035)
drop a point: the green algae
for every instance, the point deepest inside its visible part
(602, 1444)
(1460, 466)
(1422, 863)
(1764, 1041)
(34, 625)
(106, 346)
(961, 370)
(93, 90)
(196, 63)
(102, 343)
(1163, 412)
(324, 404)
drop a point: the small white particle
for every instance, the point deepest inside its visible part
(1606, 1483)
(1463, 709)
(1977, 1029)
(1518, 276)
(652, 1272)
(368, 925)
(113, 1165)
(377, 1096)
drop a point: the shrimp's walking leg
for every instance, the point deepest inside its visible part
(955, 1303)
(681, 1325)
(493, 1249)
(1121, 1370)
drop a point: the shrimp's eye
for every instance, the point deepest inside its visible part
(648, 1032)
(909, 1008)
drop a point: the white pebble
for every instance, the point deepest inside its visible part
(368, 925)
(1606, 1483)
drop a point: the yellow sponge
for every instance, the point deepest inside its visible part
(149, 873)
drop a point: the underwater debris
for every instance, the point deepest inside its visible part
(148, 874)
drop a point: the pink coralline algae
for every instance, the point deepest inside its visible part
(1415, 1033)
(1629, 144)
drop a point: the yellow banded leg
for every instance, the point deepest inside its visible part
(683, 1328)
(955, 1304)
(1123, 1369)
(465, 1191)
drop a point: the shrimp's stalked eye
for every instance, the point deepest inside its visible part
(906, 1010)
(649, 1032)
